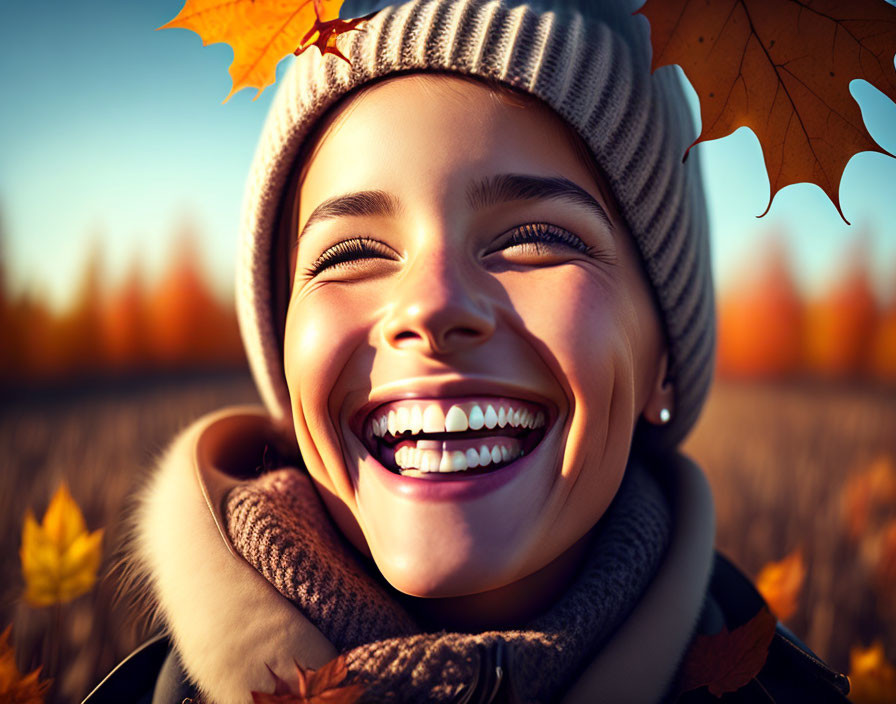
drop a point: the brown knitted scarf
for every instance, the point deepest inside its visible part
(279, 525)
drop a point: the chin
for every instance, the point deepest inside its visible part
(427, 575)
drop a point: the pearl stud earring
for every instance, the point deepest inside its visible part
(665, 415)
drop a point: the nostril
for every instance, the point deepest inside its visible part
(444, 342)
(458, 335)
(469, 332)
(440, 326)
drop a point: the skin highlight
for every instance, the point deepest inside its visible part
(436, 300)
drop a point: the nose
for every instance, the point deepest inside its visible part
(437, 308)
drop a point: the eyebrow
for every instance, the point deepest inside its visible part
(483, 193)
(359, 204)
(510, 187)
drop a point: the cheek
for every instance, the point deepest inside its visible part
(590, 329)
(322, 340)
(322, 332)
(585, 326)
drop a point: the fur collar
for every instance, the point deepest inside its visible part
(228, 622)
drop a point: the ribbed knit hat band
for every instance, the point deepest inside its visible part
(592, 68)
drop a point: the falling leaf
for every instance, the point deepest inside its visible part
(320, 686)
(782, 68)
(14, 687)
(727, 660)
(872, 679)
(261, 32)
(868, 496)
(59, 557)
(780, 584)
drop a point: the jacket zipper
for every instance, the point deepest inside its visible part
(489, 675)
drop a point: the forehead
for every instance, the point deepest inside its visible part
(427, 136)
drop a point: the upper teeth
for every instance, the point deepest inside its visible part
(429, 418)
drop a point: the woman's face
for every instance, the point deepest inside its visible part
(457, 259)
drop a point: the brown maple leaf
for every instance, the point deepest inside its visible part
(327, 31)
(261, 32)
(16, 688)
(782, 68)
(320, 686)
(727, 660)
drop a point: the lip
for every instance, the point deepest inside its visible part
(447, 488)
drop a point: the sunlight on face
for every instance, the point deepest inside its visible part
(456, 251)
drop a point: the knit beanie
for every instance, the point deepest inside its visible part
(589, 61)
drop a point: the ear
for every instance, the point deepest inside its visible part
(661, 397)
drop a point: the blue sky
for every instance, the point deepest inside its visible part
(114, 134)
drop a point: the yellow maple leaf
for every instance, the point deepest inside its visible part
(780, 584)
(872, 679)
(261, 32)
(14, 687)
(60, 559)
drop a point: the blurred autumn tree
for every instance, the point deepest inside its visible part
(77, 347)
(882, 349)
(7, 334)
(767, 328)
(761, 320)
(176, 324)
(126, 333)
(840, 324)
(187, 324)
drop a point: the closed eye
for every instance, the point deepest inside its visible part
(543, 239)
(346, 253)
(535, 238)
(540, 237)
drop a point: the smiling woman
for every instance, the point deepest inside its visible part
(493, 278)
(474, 291)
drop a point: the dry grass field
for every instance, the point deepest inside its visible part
(777, 458)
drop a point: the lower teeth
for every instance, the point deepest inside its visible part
(414, 471)
(437, 456)
(413, 460)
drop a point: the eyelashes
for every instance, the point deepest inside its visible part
(348, 251)
(539, 238)
(539, 235)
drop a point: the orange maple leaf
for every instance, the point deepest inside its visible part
(261, 32)
(320, 686)
(872, 678)
(782, 68)
(780, 584)
(727, 660)
(869, 496)
(14, 687)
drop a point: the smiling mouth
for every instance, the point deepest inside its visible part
(443, 438)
